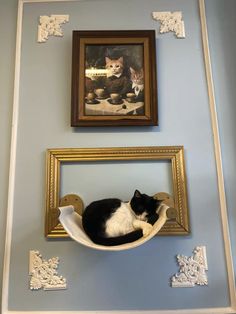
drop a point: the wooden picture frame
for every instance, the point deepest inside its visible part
(114, 78)
(174, 154)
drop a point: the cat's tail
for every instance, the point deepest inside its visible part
(126, 238)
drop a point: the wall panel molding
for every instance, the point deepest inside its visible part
(218, 156)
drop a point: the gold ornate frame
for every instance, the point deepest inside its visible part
(174, 154)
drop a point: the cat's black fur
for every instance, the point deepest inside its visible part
(120, 85)
(97, 214)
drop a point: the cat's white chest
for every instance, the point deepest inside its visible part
(121, 222)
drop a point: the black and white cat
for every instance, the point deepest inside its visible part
(113, 222)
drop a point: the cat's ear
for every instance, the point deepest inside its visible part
(137, 194)
(121, 59)
(131, 70)
(107, 60)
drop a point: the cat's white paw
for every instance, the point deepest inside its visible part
(147, 229)
(136, 224)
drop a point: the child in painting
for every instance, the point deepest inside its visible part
(116, 81)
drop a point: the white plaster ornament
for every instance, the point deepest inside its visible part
(192, 269)
(170, 22)
(50, 26)
(44, 273)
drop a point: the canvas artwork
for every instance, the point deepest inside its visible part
(114, 78)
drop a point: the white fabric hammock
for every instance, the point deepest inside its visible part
(72, 223)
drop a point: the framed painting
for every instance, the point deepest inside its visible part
(114, 78)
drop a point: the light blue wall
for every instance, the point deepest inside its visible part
(99, 180)
(136, 279)
(221, 27)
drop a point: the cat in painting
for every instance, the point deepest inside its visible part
(116, 81)
(137, 79)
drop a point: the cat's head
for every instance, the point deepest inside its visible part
(114, 66)
(143, 205)
(136, 76)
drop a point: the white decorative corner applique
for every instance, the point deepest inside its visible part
(170, 22)
(43, 273)
(192, 269)
(50, 26)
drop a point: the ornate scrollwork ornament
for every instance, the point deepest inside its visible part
(170, 22)
(192, 269)
(50, 26)
(44, 273)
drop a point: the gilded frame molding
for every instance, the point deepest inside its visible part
(174, 154)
